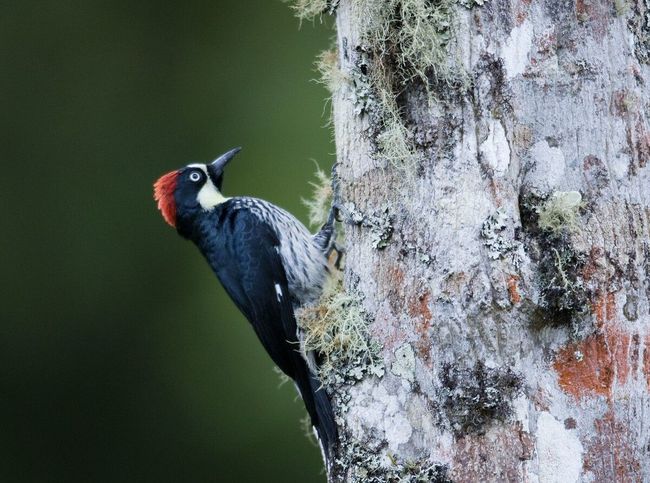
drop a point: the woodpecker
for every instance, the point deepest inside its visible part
(266, 260)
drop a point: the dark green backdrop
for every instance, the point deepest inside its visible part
(120, 357)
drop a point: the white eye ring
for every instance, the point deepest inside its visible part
(195, 176)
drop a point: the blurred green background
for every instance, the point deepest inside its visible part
(121, 359)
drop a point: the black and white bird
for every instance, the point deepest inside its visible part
(268, 263)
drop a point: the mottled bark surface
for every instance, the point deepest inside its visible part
(515, 348)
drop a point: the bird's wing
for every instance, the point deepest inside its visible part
(252, 273)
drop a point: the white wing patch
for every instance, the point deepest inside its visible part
(278, 292)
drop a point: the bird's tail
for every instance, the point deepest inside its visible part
(326, 426)
(320, 412)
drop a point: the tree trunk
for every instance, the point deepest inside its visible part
(492, 176)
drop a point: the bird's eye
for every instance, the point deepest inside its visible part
(195, 176)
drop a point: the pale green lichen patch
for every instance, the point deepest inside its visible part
(393, 142)
(310, 9)
(336, 329)
(330, 74)
(560, 212)
(416, 33)
(403, 41)
(378, 222)
(319, 205)
(363, 92)
(622, 7)
(372, 95)
(404, 365)
(550, 221)
(381, 228)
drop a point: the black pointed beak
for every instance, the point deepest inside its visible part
(218, 164)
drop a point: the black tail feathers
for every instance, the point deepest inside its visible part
(320, 411)
(324, 423)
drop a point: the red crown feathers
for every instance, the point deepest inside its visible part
(163, 193)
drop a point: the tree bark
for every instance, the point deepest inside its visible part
(497, 226)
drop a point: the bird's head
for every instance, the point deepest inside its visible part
(186, 192)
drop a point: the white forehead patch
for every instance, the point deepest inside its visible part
(209, 196)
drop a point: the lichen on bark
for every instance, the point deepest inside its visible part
(310, 9)
(336, 330)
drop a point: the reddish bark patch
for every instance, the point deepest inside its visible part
(594, 365)
(611, 454)
(521, 11)
(540, 399)
(642, 150)
(604, 307)
(419, 311)
(495, 458)
(513, 289)
(591, 161)
(635, 350)
(527, 444)
(646, 362)
(570, 423)
(638, 141)
(610, 306)
(594, 261)
(386, 328)
(620, 104)
(396, 277)
(420, 308)
(598, 308)
(455, 283)
(547, 45)
(583, 9)
(595, 173)
(393, 287)
(405, 295)
(596, 13)
(520, 17)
